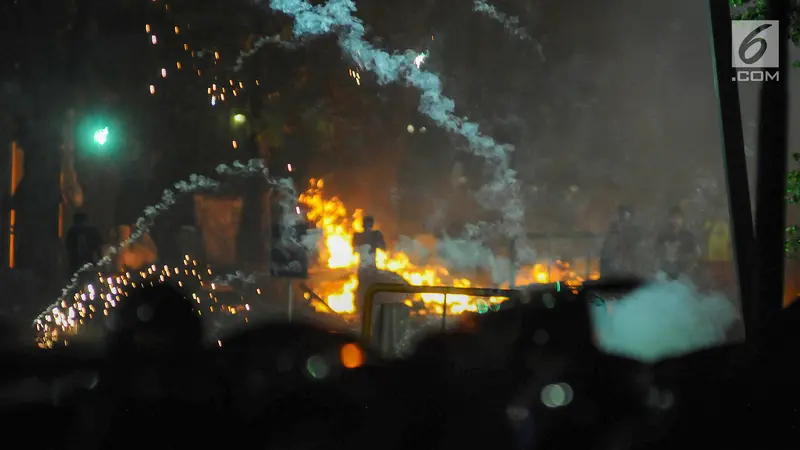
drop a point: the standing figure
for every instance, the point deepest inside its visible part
(718, 258)
(367, 243)
(677, 250)
(621, 252)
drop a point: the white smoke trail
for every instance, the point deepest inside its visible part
(266, 40)
(510, 23)
(664, 319)
(336, 17)
(195, 183)
(246, 278)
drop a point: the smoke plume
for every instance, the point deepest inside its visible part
(336, 17)
(662, 320)
(510, 23)
(266, 40)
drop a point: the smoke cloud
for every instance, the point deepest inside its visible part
(336, 17)
(662, 320)
(261, 42)
(417, 252)
(462, 254)
(510, 23)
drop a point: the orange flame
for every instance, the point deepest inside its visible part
(336, 252)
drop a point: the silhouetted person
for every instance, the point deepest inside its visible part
(154, 322)
(622, 246)
(677, 251)
(154, 378)
(84, 243)
(367, 243)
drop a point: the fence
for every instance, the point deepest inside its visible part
(368, 318)
(581, 250)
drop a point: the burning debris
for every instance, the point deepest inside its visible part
(335, 277)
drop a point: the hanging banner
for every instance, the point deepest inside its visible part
(219, 220)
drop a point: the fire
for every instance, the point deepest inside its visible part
(337, 226)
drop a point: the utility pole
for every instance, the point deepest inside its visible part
(773, 140)
(734, 159)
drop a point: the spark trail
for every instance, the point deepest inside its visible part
(336, 17)
(261, 42)
(195, 183)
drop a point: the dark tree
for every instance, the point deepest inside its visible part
(756, 10)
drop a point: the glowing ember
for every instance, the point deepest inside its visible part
(104, 293)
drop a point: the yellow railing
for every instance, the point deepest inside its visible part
(374, 289)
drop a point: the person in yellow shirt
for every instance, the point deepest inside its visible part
(719, 254)
(719, 241)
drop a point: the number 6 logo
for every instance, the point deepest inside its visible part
(755, 44)
(749, 41)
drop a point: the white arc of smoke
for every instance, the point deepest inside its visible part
(662, 320)
(260, 42)
(336, 16)
(510, 23)
(195, 183)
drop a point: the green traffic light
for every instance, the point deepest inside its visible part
(239, 119)
(101, 136)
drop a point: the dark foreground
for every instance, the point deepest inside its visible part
(494, 385)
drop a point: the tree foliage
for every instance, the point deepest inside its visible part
(756, 10)
(793, 197)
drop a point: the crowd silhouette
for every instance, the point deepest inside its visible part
(526, 376)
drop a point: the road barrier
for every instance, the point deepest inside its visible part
(367, 314)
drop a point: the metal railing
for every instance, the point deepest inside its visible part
(374, 289)
(313, 296)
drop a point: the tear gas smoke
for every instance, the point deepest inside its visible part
(417, 252)
(336, 17)
(266, 40)
(470, 253)
(662, 320)
(195, 183)
(464, 253)
(510, 23)
(240, 276)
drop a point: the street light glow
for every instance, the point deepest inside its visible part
(101, 136)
